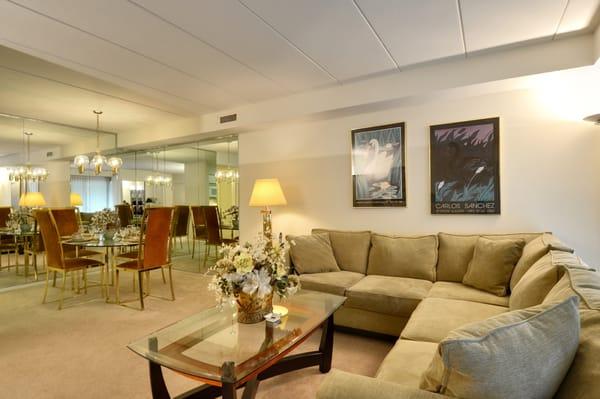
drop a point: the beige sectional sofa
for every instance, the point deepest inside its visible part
(412, 288)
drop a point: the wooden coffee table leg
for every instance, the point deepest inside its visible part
(251, 389)
(326, 347)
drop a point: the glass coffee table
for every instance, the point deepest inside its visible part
(211, 347)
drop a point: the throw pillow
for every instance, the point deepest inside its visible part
(533, 251)
(533, 287)
(350, 248)
(492, 264)
(412, 257)
(312, 254)
(520, 354)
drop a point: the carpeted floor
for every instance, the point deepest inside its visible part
(80, 352)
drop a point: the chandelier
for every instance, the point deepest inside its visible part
(27, 173)
(99, 160)
(229, 174)
(159, 179)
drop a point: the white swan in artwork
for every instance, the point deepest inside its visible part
(379, 163)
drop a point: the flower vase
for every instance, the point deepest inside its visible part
(252, 308)
(108, 234)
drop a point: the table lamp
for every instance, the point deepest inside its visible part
(267, 193)
(32, 200)
(76, 199)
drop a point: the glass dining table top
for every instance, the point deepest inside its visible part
(96, 243)
(200, 344)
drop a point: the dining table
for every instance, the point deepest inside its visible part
(24, 238)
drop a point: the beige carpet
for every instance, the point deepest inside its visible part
(80, 352)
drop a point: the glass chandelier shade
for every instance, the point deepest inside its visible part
(27, 173)
(98, 160)
(229, 174)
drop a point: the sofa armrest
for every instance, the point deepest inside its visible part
(342, 385)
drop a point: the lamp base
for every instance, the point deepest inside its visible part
(267, 227)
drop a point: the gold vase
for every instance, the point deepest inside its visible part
(252, 309)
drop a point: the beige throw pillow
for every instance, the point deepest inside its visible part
(312, 254)
(533, 287)
(492, 264)
(412, 257)
(520, 354)
(350, 248)
(533, 251)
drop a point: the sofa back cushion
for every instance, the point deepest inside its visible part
(350, 248)
(413, 257)
(533, 287)
(312, 254)
(583, 378)
(456, 251)
(533, 251)
(492, 264)
(520, 354)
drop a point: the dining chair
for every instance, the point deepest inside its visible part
(214, 237)
(67, 222)
(198, 226)
(154, 253)
(125, 214)
(7, 243)
(55, 257)
(181, 218)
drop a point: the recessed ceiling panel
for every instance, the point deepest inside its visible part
(416, 31)
(333, 33)
(491, 23)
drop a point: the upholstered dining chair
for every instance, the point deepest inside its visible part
(214, 237)
(181, 218)
(7, 243)
(125, 214)
(67, 221)
(154, 253)
(55, 258)
(198, 226)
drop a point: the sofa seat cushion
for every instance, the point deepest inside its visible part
(397, 296)
(406, 362)
(351, 248)
(450, 290)
(331, 282)
(434, 318)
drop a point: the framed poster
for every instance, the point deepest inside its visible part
(378, 162)
(465, 167)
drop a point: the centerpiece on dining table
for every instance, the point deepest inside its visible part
(251, 274)
(105, 223)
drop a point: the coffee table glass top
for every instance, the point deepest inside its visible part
(200, 344)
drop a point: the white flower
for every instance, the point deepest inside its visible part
(259, 283)
(243, 263)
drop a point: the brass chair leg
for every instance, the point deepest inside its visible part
(117, 286)
(163, 275)
(171, 283)
(141, 289)
(62, 289)
(85, 282)
(54, 280)
(46, 288)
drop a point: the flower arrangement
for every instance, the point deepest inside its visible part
(104, 220)
(234, 212)
(251, 273)
(18, 218)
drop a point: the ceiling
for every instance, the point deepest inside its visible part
(146, 61)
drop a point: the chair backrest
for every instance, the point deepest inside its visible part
(213, 225)
(125, 214)
(51, 237)
(157, 235)
(181, 220)
(4, 212)
(67, 220)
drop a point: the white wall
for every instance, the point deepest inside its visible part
(57, 188)
(548, 172)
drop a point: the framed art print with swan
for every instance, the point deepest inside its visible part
(378, 161)
(465, 167)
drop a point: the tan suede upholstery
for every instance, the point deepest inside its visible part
(312, 254)
(520, 354)
(350, 248)
(332, 282)
(406, 362)
(389, 295)
(450, 290)
(434, 318)
(533, 251)
(535, 284)
(367, 320)
(492, 264)
(412, 257)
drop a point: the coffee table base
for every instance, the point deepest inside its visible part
(228, 390)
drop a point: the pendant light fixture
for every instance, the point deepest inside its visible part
(26, 173)
(98, 161)
(230, 174)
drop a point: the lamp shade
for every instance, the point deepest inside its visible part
(32, 200)
(76, 199)
(267, 192)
